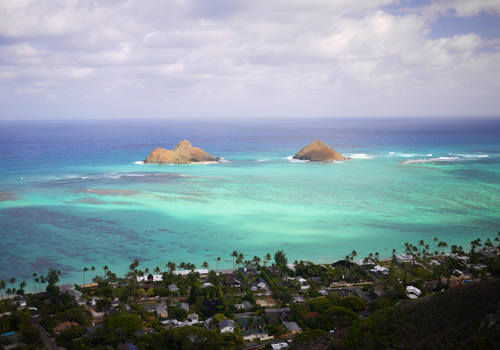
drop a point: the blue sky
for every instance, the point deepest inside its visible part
(248, 58)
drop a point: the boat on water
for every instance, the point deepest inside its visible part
(227, 259)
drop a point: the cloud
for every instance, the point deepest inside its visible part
(227, 58)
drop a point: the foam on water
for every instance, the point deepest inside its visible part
(292, 160)
(360, 156)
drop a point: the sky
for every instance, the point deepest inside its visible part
(240, 59)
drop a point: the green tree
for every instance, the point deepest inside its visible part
(217, 265)
(85, 269)
(120, 326)
(280, 260)
(234, 255)
(3, 285)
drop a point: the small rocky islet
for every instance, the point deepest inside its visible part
(318, 151)
(183, 153)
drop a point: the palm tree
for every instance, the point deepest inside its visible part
(92, 269)
(157, 270)
(420, 245)
(12, 281)
(444, 245)
(22, 285)
(377, 255)
(85, 269)
(217, 264)
(35, 275)
(3, 285)
(205, 265)
(171, 266)
(240, 260)
(234, 255)
(394, 254)
(434, 246)
(42, 280)
(105, 269)
(256, 260)
(268, 257)
(37, 281)
(354, 254)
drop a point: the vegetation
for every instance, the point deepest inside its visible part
(344, 305)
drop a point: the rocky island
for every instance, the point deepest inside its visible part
(317, 151)
(183, 153)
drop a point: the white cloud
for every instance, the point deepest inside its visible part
(321, 57)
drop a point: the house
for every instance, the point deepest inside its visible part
(194, 318)
(169, 323)
(162, 312)
(305, 286)
(173, 287)
(413, 292)
(251, 322)
(292, 327)
(245, 305)
(64, 326)
(143, 331)
(232, 281)
(150, 278)
(184, 306)
(404, 258)
(248, 271)
(261, 334)
(279, 346)
(278, 314)
(226, 326)
(489, 253)
(379, 270)
(92, 286)
(323, 292)
(212, 305)
(20, 303)
(298, 299)
(317, 280)
(150, 307)
(206, 285)
(300, 280)
(68, 288)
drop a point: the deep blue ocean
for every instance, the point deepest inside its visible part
(73, 194)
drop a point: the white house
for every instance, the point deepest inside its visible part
(403, 258)
(226, 326)
(379, 270)
(413, 292)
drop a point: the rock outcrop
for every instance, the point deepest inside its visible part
(317, 151)
(183, 153)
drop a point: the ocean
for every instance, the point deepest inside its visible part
(74, 194)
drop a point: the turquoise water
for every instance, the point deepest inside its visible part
(73, 194)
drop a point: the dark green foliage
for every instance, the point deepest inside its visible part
(306, 336)
(336, 316)
(120, 327)
(187, 338)
(66, 337)
(354, 303)
(453, 319)
(177, 313)
(320, 304)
